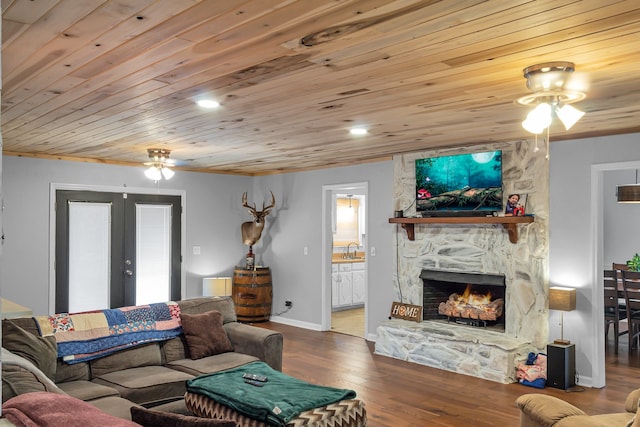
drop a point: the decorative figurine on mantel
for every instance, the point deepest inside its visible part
(252, 230)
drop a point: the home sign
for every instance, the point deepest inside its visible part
(404, 311)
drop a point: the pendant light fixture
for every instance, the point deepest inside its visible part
(159, 164)
(629, 193)
(553, 90)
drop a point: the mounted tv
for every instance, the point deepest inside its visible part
(459, 184)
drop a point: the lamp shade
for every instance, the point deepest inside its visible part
(538, 119)
(629, 193)
(167, 173)
(216, 286)
(562, 298)
(569, 115)
(153, 173)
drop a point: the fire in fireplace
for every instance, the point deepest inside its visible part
(472, 305)
(474, 299)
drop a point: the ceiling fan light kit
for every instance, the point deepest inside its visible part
(553, 91)
(159, 164)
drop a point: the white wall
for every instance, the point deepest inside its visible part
(576, 250)
(213, 217)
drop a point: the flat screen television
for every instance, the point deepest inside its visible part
(460, 183)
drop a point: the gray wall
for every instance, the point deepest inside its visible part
(298, 223)
(213, 216)
(576, 250)
(621, 234)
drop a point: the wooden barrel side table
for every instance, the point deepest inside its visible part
(252, 294)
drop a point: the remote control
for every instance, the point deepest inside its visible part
(255, 377)
(253, 382)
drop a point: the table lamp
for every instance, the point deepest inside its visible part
(216, 286)
(562, 299)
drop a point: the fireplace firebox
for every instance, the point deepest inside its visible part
(471, 299)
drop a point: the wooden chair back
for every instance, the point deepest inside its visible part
(615, 313)
(618, 266)
(611, 304)
(631, 282)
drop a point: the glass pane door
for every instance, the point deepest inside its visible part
(116, 249)
(89, 255)
(153, 253)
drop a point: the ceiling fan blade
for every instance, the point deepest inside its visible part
(578, 81)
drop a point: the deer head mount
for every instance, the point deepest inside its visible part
(252, 230)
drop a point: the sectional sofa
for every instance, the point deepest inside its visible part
(151, 375)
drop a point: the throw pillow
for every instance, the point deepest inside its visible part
(205, 334)
(149, 418)
(41, 351)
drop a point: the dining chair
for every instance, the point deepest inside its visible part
(615, 311)
(618, 267)
(631, 283)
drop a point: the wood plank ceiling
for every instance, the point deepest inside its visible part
(104, 80)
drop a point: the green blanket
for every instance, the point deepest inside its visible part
(277, 402)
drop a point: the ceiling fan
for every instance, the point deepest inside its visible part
(159, 164)
(554, 85)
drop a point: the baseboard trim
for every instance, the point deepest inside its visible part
(296, 323)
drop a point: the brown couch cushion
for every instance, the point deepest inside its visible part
(146, 384)
(87, 390)
(142, 355)
(74, 372)
(203, 304)
(205, 335)
(41, 351)
(16, 381)
(149, 418)
(206, 365)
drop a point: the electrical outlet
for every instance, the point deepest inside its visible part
(288, 304)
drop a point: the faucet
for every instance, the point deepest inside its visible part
(354, 251)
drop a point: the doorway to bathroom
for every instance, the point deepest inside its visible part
(345, 255)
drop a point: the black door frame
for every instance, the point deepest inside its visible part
(119, 295)
(130, 247)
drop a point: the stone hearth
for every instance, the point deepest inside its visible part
(474, 248)
(470, 351)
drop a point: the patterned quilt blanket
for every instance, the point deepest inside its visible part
(93, 334)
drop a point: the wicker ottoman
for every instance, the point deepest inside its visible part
(345, 413)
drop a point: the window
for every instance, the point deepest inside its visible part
(347, 221)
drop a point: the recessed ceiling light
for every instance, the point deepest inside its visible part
(208, 103)
(358, 131)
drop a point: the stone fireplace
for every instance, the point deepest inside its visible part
(519, 269)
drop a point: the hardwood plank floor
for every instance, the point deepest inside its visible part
(350, 322)
(399, 393)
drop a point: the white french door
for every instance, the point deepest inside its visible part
(116, 249)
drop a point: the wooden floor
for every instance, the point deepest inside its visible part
(399, 393)
(350, 322)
